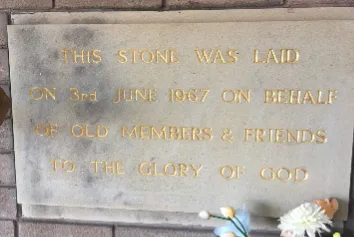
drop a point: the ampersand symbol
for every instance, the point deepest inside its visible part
(227, 135)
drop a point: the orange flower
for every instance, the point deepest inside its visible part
(330, 207)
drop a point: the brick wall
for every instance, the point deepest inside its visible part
(11, 224)
(163, 4)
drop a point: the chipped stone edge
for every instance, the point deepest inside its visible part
(115, 216)
(136, 217)
(186, 16)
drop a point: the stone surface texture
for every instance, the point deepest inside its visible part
(8, 203)
(6, 144)
(319, 3)
(188, 4)
(136, 191)
(119, 4)
(7, 229)
(31, 229)
(167, 232)
(4, 67)
(7, 169)
(185, 16)
(26, 4)
(155, 232)
(3, 25)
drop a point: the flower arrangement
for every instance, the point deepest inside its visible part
(307, 219)
(310, 218)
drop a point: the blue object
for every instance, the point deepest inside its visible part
(243, 216)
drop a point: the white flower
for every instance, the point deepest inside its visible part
(204, 215)
(228, 234)
(228, 212)
(308, 217)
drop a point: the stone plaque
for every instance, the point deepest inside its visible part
(175, 118)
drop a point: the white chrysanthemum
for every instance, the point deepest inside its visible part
(308, 217)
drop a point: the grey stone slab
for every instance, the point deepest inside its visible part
(136, 217)
(151, 218)
(191, 16)
(7, 169)
(317, 3)
(126, 4)
(84, 188)
(3, 25)
(7, 229)
(8, 203)
(155, 232)
(32, 229)
(159, 232)
(4, 67)
(187, 4)
(6, 137)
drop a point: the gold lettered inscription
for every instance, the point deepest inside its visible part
(227, 135)
(148, 56)
(135, 95)
(108, 167)
(81, 56)
(279, 135)
(289, 56)
(46, 129)
(169, 169)
(189, 95)
(216, 56)
(39, 93)
(284, 174)
(67, 166)
(166, 133)
(232, 171)
(236, 96)
(100, 131)
(299, 96)
(77, 96)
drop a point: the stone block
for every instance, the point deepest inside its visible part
(185, 16)
(195, 4)
(119, 4)
(157, 232)
(7, 169)
(31, 229)
(8, 203)
(7, 229)
(4, 67)
(6, 137)
(3, 32)
(136, 217)
(172, 232)
(320, 3)
(149, 156)
(27, 4)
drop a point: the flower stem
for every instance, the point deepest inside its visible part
(244, 234)
(243, 231)
(219, 217)
(242, 226)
